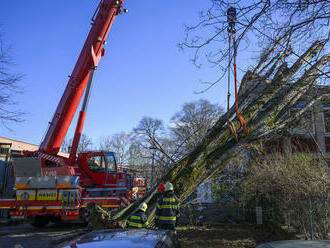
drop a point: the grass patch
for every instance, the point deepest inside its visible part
(228, 236)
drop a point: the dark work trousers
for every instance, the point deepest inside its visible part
(167, 227)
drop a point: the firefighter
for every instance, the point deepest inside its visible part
(167, 210)
(139, 218)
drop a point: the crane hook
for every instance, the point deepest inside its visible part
(231, 18)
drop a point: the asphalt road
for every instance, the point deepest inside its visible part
(27, 236)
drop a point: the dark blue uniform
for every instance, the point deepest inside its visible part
(137, 220)
(167, 211)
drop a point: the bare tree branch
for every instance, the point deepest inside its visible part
(267, 21)
(8, 89)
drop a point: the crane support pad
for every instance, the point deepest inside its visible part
(27, 167)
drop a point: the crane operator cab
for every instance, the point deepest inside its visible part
(99, 174)
(97, 168)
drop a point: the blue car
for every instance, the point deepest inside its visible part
(132, 238)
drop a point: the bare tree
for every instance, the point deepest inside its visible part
(120, 144)
(85, 144)
(137, 154)
(8, 88)
(187, 129)
(153, 144)
(191, 123)
(260, 24)
(151, 133)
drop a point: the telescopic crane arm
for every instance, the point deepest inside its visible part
(85, 66)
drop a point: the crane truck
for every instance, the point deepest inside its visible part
(50, 187)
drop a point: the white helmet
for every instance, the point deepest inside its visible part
(143, 206)
(168, 186)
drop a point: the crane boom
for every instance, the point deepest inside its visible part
(88, 60)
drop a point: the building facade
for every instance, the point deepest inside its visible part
(310, 132)
(10, 149)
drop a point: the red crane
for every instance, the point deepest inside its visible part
(53, 187)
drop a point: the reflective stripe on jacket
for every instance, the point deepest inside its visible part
(167, 209)
(137, 220)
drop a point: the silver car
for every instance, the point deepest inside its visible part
(132, 238)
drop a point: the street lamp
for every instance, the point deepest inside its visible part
(153, 148)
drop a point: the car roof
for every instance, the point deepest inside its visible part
(134, 238)
(297, 244)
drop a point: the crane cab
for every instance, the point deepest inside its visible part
(97, 168)
(101, 177)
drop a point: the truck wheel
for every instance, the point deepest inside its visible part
(40, 221)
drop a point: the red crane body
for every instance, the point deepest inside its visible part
(50, 187)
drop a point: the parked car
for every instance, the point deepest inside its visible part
(131, 238)
(296, 244)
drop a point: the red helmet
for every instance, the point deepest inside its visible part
(161, 187)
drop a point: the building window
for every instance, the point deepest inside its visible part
(4, 149)
(300, 105)
(326, 114)
(304, 124)
(327, 144)
(326, 105)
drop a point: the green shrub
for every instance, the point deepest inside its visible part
(292, 190)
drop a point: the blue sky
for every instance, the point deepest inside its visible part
(142, 74)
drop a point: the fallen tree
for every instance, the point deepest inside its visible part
(266, 93)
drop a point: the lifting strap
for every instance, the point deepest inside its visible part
(238, 115)
(230, 124)
(231, 16)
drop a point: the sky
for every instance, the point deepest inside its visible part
(142, 74)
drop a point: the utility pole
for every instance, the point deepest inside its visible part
(153, 148)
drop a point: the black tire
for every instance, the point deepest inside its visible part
(40, 221)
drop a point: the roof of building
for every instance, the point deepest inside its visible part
(17, 145)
